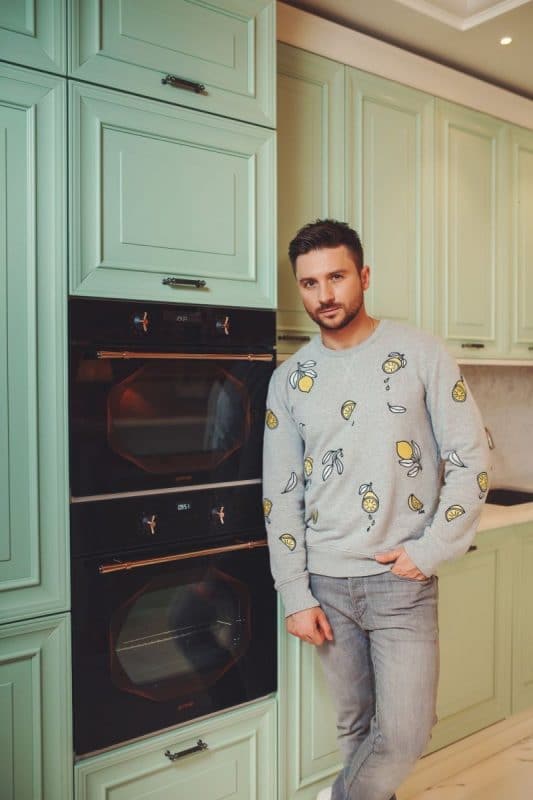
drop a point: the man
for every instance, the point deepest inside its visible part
(375, 472)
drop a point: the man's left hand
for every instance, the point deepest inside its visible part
(403, 566)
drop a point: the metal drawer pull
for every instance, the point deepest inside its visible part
(198, 284)
(472, 548)
(126, 354)
(473, 345)
(124, 566)
(181, 83)
(293, 337)
(197, 749)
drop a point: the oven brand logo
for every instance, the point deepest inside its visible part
(183, 507)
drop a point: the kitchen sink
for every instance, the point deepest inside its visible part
(509, 497)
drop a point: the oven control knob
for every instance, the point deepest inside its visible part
(149, 523)
(141, 322)
(218, 514)
(222, 326)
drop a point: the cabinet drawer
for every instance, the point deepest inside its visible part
(228, 47)
(239, 762)
(159, 191)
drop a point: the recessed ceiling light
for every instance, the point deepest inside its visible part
(506, 40)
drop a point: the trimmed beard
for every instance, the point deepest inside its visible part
(349, 317)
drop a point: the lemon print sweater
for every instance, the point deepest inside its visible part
(367, 449)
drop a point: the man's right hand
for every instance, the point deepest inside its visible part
(310, 625)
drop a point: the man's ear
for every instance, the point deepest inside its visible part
(365, 277)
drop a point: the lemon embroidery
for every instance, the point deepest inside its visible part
(392, 364)
(415, 504)
(459, 391)
(483, 483)
(308, 466)
(396, 409)
(332, 460)
(347, 409)
(453, 512)
(267, 508)
(288, 540)
(303, 377)
(313, 518)
(369, 503)
(409, 454)
(271, 420)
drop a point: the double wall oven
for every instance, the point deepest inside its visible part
(173, 607)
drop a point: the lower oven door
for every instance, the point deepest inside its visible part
(163, 641)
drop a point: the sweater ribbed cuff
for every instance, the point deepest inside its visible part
(296, 595)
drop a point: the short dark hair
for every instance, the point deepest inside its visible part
(323, 234)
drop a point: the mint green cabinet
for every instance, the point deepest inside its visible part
(310, 168)
(389, 169)
(33, 33)
(33, 471)
(521, 244)
(522, 697)
(308, 754)
(473, 239)
(475, 621)
(158, 191)
(227, 46)
(239, 762)
(36, 741)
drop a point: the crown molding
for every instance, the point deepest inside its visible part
(462, 14)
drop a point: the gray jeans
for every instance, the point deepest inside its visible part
(382, 669)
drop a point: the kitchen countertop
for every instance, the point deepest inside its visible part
(494, 516)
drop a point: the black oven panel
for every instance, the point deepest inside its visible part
(181, 521)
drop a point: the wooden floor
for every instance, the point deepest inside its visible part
(507, 775)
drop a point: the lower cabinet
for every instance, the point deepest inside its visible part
(35, 710)
(239, 762)
(479, 641)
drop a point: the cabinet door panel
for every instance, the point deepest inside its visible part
(36, 752)
(227, 47)
(310, 168)
(163, 191)
(389, 147)
(475, 608)
(33, 33)
(471, 223)
(240, 762)
(33, 484)
(523, 612)
(522, 243)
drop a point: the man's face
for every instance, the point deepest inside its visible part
(331, 287)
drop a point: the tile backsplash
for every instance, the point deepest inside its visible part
(505, 398)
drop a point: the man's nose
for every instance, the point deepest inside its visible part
(325, 293)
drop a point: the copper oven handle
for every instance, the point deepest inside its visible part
(184, 356)
(123, 566)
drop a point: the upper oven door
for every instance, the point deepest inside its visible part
(147, 420)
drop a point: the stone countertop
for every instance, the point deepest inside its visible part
(494, 516)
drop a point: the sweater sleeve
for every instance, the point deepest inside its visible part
(462, 442)
(283, 503)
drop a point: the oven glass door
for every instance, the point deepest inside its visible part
(163, 642)
(164, 420)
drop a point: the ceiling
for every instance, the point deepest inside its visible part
(464, 34)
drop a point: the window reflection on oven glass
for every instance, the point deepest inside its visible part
(178, 417)
(179, 636)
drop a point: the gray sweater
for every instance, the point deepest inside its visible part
(366, 449)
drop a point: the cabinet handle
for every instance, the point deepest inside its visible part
(530, 347)
(196, 749)
(293, 337)
(181, 83)
(472, 548)
(473, 345)
(196, 284)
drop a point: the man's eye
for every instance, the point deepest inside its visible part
(308, 284)
(336, 277)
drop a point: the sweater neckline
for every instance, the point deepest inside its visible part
(346, 352)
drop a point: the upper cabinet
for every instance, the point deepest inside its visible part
(473, 239)
(213, 57)
(33, 33)
(389, 193)
(161, 193)
(521, 244)
(310, 168)
(33, 471)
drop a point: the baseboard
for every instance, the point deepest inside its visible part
(447, 762)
